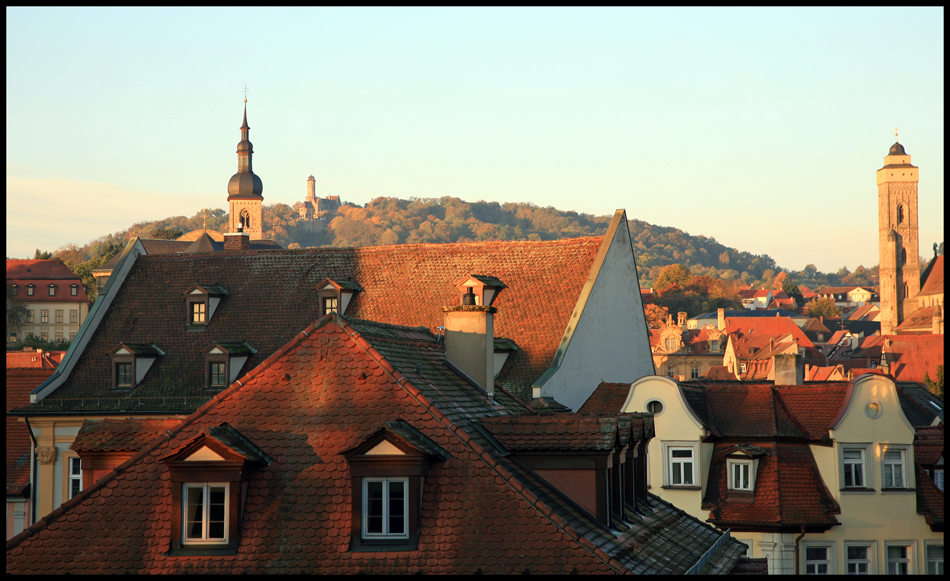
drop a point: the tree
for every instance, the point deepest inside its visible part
(655, 315)
(42, 255)
(16, 315)
(792, 290)
(167, 233)
(935, 386)
(779, 281)
(672, 274)
(822, 308)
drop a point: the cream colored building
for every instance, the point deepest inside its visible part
(54, 297)
(829, 471)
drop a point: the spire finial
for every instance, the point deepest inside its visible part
(895, 134)
(245, 93)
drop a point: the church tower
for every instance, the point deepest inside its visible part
(897, 237)
(244, 190)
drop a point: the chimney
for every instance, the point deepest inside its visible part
(681, 319)
(722, 319)
(239, 240)
(789, 369)
(470, 331)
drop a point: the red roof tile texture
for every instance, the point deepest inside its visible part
(41, 359)
(126, 435)
(42, 273)
(909, 356)
(928, 444)
(934, 283)
(558, 432)
(608, 398)
(20, 382)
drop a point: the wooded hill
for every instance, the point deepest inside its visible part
(438, 220)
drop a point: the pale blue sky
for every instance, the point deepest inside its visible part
(761, 128)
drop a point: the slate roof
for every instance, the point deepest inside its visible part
(272, 293)
(125, 435)
(20, 381)
(319, 395)
(788, 493)
(608, 398)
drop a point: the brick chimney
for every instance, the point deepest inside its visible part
(470, 330)
(237, 241)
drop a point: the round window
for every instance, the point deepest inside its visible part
(873, 410)
(655, 407)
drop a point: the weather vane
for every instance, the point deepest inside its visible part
(895, 134)
(245, 93)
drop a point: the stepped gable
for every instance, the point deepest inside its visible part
(20, 382)
(607, 399)
(318, 396)
(789, 492)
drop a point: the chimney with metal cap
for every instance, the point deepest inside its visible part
(470, 331)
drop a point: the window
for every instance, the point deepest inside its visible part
(44, 335)
(72, 335)
(13, 337)
(898, 559)
(205, 518)
(58, 336)
(123, 373)
(740, 474)
(681, 466)
(821, 336)
(742, 367)
(44, 316)
(858, 558)
(59, 316)
(29, 316)
(75, 476)
(29, 290)
(13, 290)
(854, 469)
(694, 373)
(671, 344)
(938, 477)
(817, 560)
(900, 214)
(714, 346)
(73, 316)
(197, 314)
(217, 373)
(655, 407)
(52, 290)
(934, 555)
(894, 469)
(385, 508)
(74, 290)
(330, 305)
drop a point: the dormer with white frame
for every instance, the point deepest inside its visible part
(335, 295)
(201, 301)
(224, 362)
(130, 363)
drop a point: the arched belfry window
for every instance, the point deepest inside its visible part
(245, 219)
(900, 214)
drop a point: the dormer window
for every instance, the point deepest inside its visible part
(30, 289)
(714, 346)
(742, 463)
(335, 295)
(201, 301)
(740, 475)
(224, 362)
(671, 344)
(387, 470)
(130, 363)
(209, 477)
(74, 290)
(52, 290)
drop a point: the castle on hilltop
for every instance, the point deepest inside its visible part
(313, 211)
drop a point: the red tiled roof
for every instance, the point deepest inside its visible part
(909, 356)
(750, 412)
(320, 395)
(405, 284)
(921, 320)
(928, 444)
(718, 372)
(767, 326)
(815, 406)
(126, 435)
(20, 382)
(934, 283)
(608, 398)
(930, 499)
(762, 293)
(41, 359)
(818, 373)
(557, 432)
(42, 273)
(789, 491)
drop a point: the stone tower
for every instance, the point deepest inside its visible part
(897, 237)
(244, 190)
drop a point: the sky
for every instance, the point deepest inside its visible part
(761, 128)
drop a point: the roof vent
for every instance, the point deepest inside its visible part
(468, 298)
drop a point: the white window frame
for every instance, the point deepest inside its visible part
(668, 448)
(737, 464)
(671, 344)
(206, 508)
(73, 316)
(871, 546)
(73, 476)
(927, 561)
(694, 373)
(886, 466)
(365, 514)
(868, 466)
(911, 556)
(829, 547)
(742, 367)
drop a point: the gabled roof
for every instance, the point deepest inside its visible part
(46, 270)
(42, 273)
(272, 292)
(910, 357)
(788, 492)
(920, 320)
(933, 281)
(930, 499)
(38, 359)
(767, 327)
(750, 412)
(320, 394)
(20, 381)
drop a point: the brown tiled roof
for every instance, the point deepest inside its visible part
(934, 283)
(41, 359)
(921, 320)
(751, 412)
(318, 396)
(271, 295)
(557, 432)
(788, 491)
(930, 499)
(608, 398)
(928, 444)
(20, 381)
(718, 372)
(126, 435)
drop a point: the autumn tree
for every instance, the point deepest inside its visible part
(824, 307)
(167, 233)
(672, 274)
(935, 385)
(655, 315)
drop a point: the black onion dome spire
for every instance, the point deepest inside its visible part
(897, 149)
(245, 184)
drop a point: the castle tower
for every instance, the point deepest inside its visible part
(311, 190)
(897, 237)
(244, 190)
